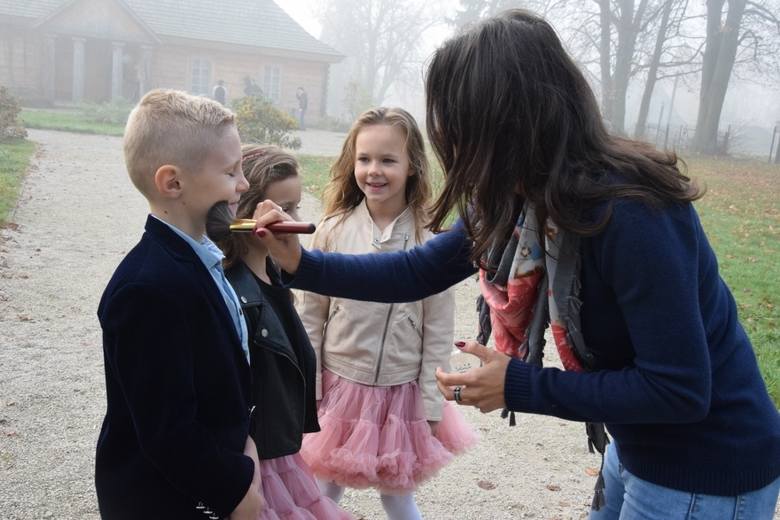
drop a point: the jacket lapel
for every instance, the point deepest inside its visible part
(251, 295)
(182, 251)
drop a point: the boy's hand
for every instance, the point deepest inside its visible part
(283, 247)
(253, 502)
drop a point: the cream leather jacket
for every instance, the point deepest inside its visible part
(373, 343)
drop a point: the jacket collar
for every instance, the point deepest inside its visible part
(243, 282)
(176, 245)
(400, 221)
(182, 251)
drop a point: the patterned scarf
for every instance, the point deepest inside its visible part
(536, 285)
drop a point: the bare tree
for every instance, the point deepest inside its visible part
(382, 36)
(473, 10)
(673, 54)
(749, 26)
(621, 25)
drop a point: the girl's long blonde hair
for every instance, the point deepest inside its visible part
(342, 193)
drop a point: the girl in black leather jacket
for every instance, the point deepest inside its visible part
(282, 360)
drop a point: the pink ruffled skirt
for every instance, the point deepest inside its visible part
(291, 493)
(378, 436)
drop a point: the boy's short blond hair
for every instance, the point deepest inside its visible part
(171, 127)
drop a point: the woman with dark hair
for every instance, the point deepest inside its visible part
(595, 236)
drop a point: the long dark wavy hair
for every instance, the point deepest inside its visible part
(511, 117)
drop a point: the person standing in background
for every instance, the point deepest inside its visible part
(303, 104)
(220, 92)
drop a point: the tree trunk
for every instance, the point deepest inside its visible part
(777, 150)
(624, 54)
(605, 55)
(652, 72)
(719, 55)
(628, 30)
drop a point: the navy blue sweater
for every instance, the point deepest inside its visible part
(678, 384)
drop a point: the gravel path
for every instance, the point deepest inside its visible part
(77, 216)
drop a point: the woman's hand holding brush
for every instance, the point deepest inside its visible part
(284, 247)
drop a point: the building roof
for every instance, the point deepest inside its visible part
(255, 23)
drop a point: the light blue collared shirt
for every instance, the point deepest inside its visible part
(212, 256)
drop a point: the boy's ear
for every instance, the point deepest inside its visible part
(167, 180)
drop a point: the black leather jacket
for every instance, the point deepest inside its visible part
(283, 367)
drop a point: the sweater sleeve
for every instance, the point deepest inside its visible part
(649, 258)
(403, 276)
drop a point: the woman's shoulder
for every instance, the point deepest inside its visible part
(636, 231)
(636, 213)
(641, 211)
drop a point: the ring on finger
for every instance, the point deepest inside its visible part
(456, 391)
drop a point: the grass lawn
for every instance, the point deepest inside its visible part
(14, 158)
(69, 121)
(741, 215)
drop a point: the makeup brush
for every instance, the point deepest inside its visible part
(220, 223)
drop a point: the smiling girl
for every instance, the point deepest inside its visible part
(384, 424)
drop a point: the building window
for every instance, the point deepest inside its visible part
(201, 77)
(271, 83)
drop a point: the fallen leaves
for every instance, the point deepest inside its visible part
(486, 485)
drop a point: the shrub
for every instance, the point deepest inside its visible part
(10, 127)
(261, 122)
(113, 112)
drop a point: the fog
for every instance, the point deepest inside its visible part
(750, 109)
(347, 55)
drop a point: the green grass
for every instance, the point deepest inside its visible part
(315, 170)
(741, 216)
(68, 121)
(14, 159)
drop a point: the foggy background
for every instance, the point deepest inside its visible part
(361, 29)
(690, 75)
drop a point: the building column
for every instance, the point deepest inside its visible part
(78, 69)
(324, 91)
(145, 70)
(117, 68)
(48, 66)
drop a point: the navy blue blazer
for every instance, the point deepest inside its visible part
(177, 385)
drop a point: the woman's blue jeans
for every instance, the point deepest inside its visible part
(631, 498)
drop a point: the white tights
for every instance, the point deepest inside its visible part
(397, 507)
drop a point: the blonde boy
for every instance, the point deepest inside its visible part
(174, 441)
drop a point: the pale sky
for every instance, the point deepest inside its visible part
(302, 12)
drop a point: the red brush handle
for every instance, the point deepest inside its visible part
(287, 226)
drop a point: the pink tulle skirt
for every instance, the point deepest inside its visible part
(378, 436)
(291, 493)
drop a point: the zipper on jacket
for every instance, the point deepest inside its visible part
(300, 373)
(414, 326)
(333, 313)
(387, 326)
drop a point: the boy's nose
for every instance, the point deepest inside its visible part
(243, 184)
